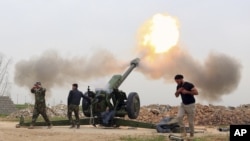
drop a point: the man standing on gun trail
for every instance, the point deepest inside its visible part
(74, 99)
(187, 91)
(40, 104)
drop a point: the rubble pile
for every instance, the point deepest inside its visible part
(55, 111)
(153, 113)
(220, 115)
(61, 111)
(28, 113)
(205, 114)
(25, 112)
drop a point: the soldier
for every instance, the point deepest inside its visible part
(187, 91)
(40, 105)
(74, 99)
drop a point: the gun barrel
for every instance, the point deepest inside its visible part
(117, 80)
(133, 64)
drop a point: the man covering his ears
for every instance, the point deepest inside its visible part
(187, 91)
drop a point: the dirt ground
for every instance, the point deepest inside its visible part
(8, 132)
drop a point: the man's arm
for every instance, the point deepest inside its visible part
(32, 90)
(193, 91)
(86, 97)
(177, 93)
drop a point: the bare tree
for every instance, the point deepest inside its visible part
(4, 81)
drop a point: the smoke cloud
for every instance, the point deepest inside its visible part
(52, 69)
(218, 75)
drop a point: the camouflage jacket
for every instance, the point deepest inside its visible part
(39, 95)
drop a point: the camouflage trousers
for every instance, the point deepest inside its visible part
(41, 109)
(75, 109)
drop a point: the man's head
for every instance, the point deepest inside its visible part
(179, 79)
(38, 84)
(74, 86)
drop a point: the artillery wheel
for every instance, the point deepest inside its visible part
(85, 107)
(133, 105)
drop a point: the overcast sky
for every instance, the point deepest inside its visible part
(78, 28)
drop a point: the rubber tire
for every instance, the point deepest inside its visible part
(85, 106)
(132, 108)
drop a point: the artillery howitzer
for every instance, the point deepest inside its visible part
(112, 102)
(108, 106)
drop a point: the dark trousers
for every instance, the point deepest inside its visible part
(75, 109)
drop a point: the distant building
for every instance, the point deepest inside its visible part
(6, 105)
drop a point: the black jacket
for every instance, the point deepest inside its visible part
(75, 96)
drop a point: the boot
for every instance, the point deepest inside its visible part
(78, 126)
(191, 134)
(50, 126)
(72, 126)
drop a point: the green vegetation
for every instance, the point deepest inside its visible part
(149, 138)
(3, 116)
